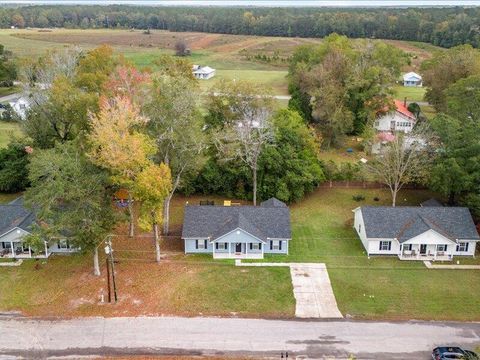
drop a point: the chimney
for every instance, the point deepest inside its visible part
(405, 101)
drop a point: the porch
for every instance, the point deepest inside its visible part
(17, 250)
(238, 250)
(425, 252)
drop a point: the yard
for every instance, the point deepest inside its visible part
(376, 288)
(7, 130)
(414, 94)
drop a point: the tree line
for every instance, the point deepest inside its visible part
(444, 27)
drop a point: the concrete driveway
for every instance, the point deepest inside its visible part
(312, 289)
(313, 292)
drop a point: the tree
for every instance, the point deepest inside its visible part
(291, 168)
(116, 144)
(340, 86)
(177, 126)
(181, 48)
(71, 197)
(445, 68)
(404, 160)
(152, 187)
(242, 115)
(14, 161)
(456, 172)
(8, 69)
(61, 116)
(18, 21)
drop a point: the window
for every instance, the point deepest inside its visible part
(7, 245)
(201, 244)
(254, 246)
(385, 245)
(407, 247)
(441, 247)
(462, 247)
(359, 228)
(377, 123)
(275, 245)
(63, 244)
(221, 246)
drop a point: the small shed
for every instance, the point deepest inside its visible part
(412, 79)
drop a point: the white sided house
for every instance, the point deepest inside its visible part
(416, 233)
(15, 224)
(412, 79)
(400, 119)
(203, 72)
(20, 106)
(237, 232)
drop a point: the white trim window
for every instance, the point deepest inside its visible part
(385, 245)
(462, 247)
(221, 246)
(276, 245)
(442, 247)
(201, 244)
(255, 246)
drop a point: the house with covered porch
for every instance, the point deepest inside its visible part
(416, 233)
(237, 232)
(16, 222)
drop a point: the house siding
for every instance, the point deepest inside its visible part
(190, 247)
(383, 122)
(374, 247)
(471, 249)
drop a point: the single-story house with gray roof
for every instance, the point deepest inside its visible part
(416, 233)
(16, 222)
(237, 232)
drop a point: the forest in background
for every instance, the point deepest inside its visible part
(444, 27)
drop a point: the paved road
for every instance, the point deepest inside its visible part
(200, 336)
(8, 98)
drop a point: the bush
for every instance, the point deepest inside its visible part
(358, 197)
(376, 198)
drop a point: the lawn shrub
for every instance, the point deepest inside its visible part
(358, 197)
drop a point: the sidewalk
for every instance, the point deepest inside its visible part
(429, 265)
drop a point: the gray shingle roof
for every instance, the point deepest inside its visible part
(431, 202)
(214, 221)
(404, 222)
(273, 202)
(14, 215)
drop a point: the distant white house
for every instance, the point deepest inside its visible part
(412, 79)
(400, 119)
(415, 232)
(20, 106)
(203, 72)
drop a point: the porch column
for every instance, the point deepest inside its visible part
(12, 249)
(263, 246)
(246, 249)
(229, 249)
(29, 251)
(46, 249)
(213, 249)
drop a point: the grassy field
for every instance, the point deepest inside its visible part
(7, 130)
(232, 55)
(411, 93)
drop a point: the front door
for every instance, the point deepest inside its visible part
(423, 249)
(238, 247)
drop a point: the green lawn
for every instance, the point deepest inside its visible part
(9, 90)
(379, 287)
(411, 93)
(7, 130)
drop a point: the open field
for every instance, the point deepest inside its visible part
(7, 130)
(232, 55)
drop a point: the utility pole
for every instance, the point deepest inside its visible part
(108, 280)
(109, 252)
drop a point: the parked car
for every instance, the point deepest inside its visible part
(453, 352)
